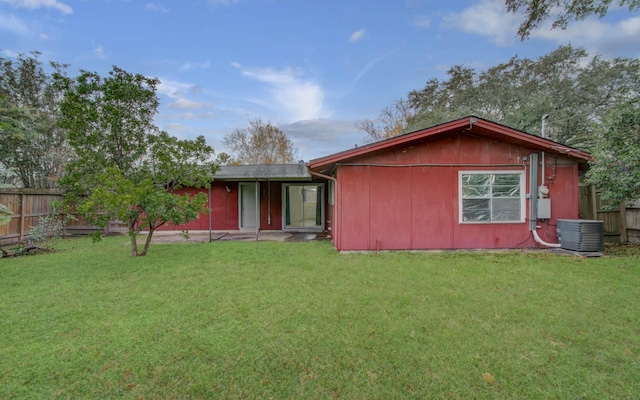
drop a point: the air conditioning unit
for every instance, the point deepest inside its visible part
(581, 234)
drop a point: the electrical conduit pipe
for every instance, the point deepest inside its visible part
(538, 240)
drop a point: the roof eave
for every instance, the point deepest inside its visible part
(471, 121)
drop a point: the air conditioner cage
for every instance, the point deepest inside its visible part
(581, 234)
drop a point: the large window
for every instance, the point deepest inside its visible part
(491, 197)
(303, 206)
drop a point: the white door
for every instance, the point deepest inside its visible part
(248, 205)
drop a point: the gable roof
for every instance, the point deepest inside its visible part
(471, 125)
(263, 171)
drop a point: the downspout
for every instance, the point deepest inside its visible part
(209, 213)
(257, 208)
(334, 217)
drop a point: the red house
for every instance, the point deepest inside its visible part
(466, 184)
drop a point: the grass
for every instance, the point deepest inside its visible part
(296, 320)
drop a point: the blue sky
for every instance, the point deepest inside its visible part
(313, 68)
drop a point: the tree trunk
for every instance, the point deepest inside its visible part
(147, 242)
(132, 235)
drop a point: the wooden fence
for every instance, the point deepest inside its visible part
(28, 206)
(632, 220)
(621, 224)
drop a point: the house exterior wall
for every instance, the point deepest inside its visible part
(224, 207)
(408, 198)
(273, 191)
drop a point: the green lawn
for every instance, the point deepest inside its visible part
(296, 320)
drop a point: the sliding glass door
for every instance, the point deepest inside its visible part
(303, 206)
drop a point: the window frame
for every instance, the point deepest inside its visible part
(461, 197)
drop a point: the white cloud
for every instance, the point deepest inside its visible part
(357, 35)
(43, 36)
(188, 104)
(10, 53)
(99, 52)
(174, 89)
(186, 116)
(35, 4)
(422, 22)
(156, 7)
(320, 137)
(487, 18)
(188, 66)
(300, 99)
(597, 36)
(322, 129)
(223, 2)
(13, 24)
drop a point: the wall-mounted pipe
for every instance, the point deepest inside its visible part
(538, 240)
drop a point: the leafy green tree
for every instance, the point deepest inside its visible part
(616, 166)
(259, 143)
(573, 89)
(126, 169)
(538, 11)
(33, 148)
(223, 159)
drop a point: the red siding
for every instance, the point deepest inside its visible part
(223, 206)
(353, 187)
(408, 198)
(389, 211)
(431, 207)
(271, 190)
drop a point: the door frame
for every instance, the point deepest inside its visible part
(322, 207)
(256, 185)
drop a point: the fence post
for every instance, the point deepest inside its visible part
(21, 235)
(623, 222)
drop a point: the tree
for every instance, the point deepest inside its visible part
(260, 143)
(126, 169)
(223, 159)
(393, 121)
(33, 148)
(573, 89)
(536, 12)
(615, 169)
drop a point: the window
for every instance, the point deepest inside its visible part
(491, 197)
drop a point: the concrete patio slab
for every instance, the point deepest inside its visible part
(243, 236)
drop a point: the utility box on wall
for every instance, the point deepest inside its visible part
(544, 208)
